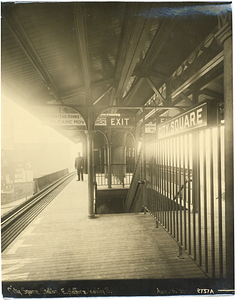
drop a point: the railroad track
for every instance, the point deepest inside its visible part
(14, 222)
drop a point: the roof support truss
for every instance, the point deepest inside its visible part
(135, 33)
(204, 70)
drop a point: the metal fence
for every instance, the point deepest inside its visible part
(45, 180)
(187, 171)
(121, 174)
(185, 191)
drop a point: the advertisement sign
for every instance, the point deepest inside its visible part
(63, 119)
(74, 119)
(150, 127)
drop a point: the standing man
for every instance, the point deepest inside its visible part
(79, 164)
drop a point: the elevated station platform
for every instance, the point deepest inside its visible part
(62, 243)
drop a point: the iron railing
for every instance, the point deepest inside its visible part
(45, 180)
(184, 192)
(121, 174)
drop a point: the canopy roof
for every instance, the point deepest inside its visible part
(65, 57)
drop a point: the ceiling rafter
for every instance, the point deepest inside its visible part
(212, 94)
(107, 90)
(158, 42)
(190, 60)
(160, 75)
(117, 106)
(108, 81)
(188, 101)
(112, 97)
(204, 70)
(156, 45)
(133, 90)
(124, 42)
(82, 89)
(151, 84)
(164, 109)
(135, 33)
(24, 41)
(81, 32)
(183, 86)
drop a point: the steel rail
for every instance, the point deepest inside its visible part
(14, 222)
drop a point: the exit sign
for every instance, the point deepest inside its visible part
(120, 122)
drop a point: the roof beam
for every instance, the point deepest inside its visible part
(112, 97)
(22, 37)
(107, 90)
(155, 89)
(132, 43)
(105, 107)
(79, 90)
(81, 32)
(160, 76)
(133, 90)
(212, 94)
(204, 70)
(158, 42)
(188, 101)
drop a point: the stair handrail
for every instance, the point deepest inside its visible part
(133, 182)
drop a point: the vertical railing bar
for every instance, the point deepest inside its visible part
(189, 196)
(199, 206)
(205, 200)
(194, 196)
(176, 188)
(163, 172)
(156, 176)
(220, 201)
(180, 192)
(164, 199)
(170, 187)
(167, 186)
(161, 185)
(173, 199)
(160, 181)
(212, 208)
(185, 192)
(165, 183)
(165, 191)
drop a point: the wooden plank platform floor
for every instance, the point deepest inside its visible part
(62, 243)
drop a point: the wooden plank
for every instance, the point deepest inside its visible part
(122, 246)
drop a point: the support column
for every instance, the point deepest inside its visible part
(85, 151)
(105, 160)
(90, 136)
(109, 161)
(144, 161)
(168, 93)
(195, 97)
(143, 145)
(224, 37)
(124, 149)
(90, 144)
(137, 140)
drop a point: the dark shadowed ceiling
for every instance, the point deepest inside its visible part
(71, 56)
